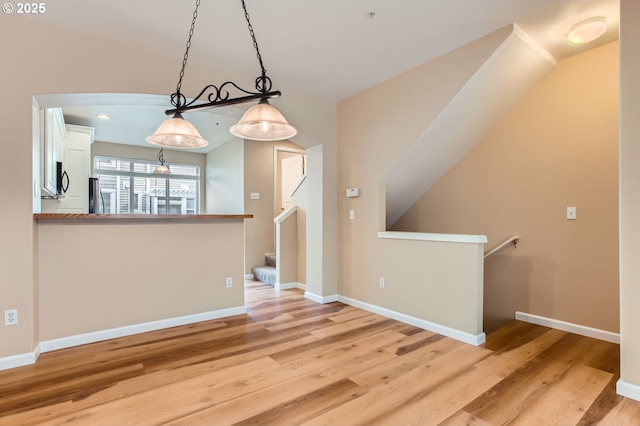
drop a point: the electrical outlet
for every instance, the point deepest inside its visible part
(381, 282)
(229, 282)
(11, 317)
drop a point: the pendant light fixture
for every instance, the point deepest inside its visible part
(161, 168)
(261, 122)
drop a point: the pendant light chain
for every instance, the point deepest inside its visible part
(261, 122)
(263, 83)
(178, 101)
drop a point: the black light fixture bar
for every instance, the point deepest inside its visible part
(222, 102)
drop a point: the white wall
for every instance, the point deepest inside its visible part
(300, 201)
(629, 383)
(225, 178)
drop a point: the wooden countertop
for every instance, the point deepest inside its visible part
(144, 217)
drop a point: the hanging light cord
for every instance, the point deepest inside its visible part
(263, 83)
(160, 156)
(177, 99)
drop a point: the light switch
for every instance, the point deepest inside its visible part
(571, 213)
(255, 195)
(352, 214)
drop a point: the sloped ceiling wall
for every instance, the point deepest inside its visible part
(514, 68)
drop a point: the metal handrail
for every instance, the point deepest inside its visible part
(513, 240)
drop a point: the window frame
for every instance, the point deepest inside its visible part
(131, 175)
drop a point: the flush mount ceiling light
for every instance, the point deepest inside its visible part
(103, 117)
(161, 168)
(587, 31)
(261, 122)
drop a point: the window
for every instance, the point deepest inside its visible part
(129, 186)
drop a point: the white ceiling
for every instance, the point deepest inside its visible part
(326, 48)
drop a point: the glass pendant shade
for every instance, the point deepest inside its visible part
(587, 31)
(162, 169)
(177, 132)
(263, 122)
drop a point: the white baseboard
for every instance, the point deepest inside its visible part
(628, 390)
(20, 360)
(462, 336)
(321, 299)
(570, 327)
(249, 277)
(98, 336)
(287, 286)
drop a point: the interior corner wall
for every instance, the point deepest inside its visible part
(315, 208)
(225, 179)
(300, 201)
(630, 193)
(375, 128)
(557, 148)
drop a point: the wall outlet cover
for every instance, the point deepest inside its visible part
(11, 317)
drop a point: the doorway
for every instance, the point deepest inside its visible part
(289, 166)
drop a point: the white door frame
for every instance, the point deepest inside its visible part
(276, 167)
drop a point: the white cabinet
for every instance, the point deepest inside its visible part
(52, 149)
(76, 159)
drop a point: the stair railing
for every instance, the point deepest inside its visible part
(513, 240)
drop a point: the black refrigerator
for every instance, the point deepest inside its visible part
(94, 195)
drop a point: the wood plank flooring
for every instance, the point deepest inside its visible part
(292, 361)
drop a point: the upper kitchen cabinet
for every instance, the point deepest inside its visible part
(73, 196)
(52, 150)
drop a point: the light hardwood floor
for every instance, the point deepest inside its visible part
(293, 361)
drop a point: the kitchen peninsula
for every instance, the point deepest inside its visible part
(103, 276)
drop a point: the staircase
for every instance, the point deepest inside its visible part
(267, 272)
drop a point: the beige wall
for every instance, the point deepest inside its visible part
(629, 193)
(259, 177)
(225, 178)
(97, 276)
(557, 148)
(439, 282)
(56, 60)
